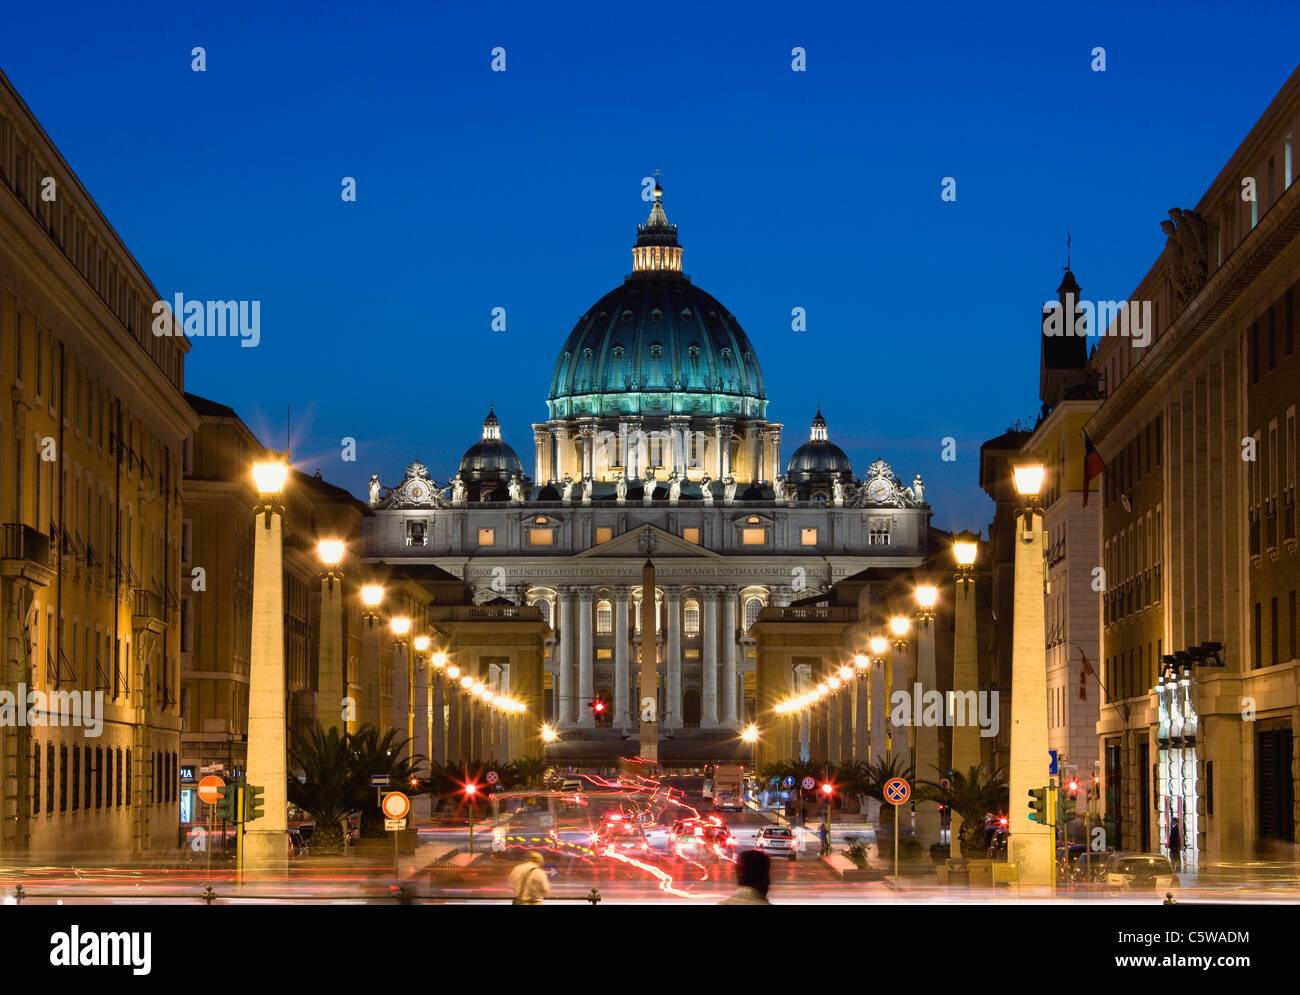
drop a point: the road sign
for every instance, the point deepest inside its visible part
(380, 780)
(897, 791)
(787, 781)
(945, 783)
(809, 784)
(209, 789)
(391, 825)
(492, 777)
(395, 805)
(1054, 767)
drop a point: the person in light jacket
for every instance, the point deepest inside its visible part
(754, 875)
(528, 880)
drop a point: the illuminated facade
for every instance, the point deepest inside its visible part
(657, 445)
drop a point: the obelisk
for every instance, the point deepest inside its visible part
(649, 667)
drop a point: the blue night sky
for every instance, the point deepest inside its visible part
(480, 189)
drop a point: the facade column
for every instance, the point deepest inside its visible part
(568, 656)
(709, 638)
(679, 426)
(622, 447)
(588, 435)
(586, 690)
(403, 704)
(632, 449)
(729, 594)
(541, 461)
(879, 707)
(622, 719)
(368, 706)
(673, 658)
(562, 451)
(725, 431)
(642, 450)
(423, 707)
(861, 726)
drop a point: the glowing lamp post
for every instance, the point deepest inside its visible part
(471, 793)
(266, 843)
(331, 681)
(925, 736)
(965, 670)
(1031, 843)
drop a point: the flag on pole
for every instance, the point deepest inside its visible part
(1084, 671)
(1093, 466)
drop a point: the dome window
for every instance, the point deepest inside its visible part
(686, 314)
(656, 351)
(627, 315)
(656, 314)
(603, 315)
(618, 352)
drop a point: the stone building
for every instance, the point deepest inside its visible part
(90, 499)
(1198, 534)
(657, 446)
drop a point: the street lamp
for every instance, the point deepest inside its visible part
(332, 679)
(925, 736)
(266, 842)
(966, 750)
(549, 735)
(1032, 843)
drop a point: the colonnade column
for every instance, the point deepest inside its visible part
(421, 704)
(621, 688)
(586, 690)
(927, 735)
(673, 661)
(560, 452)
(541, 437)
(568, 648)
(438, 729)
(729, 716)
(709, 691)
(588, 435)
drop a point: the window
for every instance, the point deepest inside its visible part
(541, 537)
(487, 537)
(753, 537)
(691, 618)
(118, 781)
(1272, 634)
(604, 618)
(99, 777)
(36, 777)
(544, 607)
(878, 533)
(76, 776)
(752, 607)
(808, 537)
(1259, 635)
(63, 778)
(417, 532)
(691, 535)
(49, 777)
(1290, 614)
(604, 534)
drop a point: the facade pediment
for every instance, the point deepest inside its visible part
(647, 541)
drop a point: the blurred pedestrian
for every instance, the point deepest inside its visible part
(824, 834)
(1175, 845)
(528, 880)
(753, 875)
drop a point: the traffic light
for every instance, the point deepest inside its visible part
(228, 803)
(1038, 805)
(1067, 806)
(827, 788)
(597, 707)
(253, 803)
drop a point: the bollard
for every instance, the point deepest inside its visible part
(209, 896)
(19, 894)
(1169, 899)
(593, 897)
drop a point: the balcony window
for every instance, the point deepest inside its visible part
(541, 537)
(487, 537)
(808, 537)
(753, 537)
(604, 618)
(691, 618)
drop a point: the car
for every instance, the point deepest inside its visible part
(1139, 872)
(777, 840)
(297, 848)
(621, 836)
(704, 837)
(1088, 868)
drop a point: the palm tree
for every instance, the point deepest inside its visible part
(524, 771)
(374, 754)
(972, 796)
(330, 787)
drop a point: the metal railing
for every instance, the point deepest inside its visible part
(22, 542)
(393, 895)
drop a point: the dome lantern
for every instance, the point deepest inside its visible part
(656, 250)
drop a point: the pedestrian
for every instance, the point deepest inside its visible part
(528, 880)
(1175, 845)
(753, 875)
(824, 834)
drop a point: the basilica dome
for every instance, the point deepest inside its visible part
(490, 463)
(657, 345)
(818, 460)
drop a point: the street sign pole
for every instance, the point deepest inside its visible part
(239, 837)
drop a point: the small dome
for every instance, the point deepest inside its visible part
(490, 457)
(818, 459)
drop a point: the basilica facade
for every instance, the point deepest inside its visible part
(657, 446)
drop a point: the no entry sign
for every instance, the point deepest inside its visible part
(809, 784)
(208, 789)
(395, 805)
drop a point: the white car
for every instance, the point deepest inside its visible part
(1140, 871)
(777, 840)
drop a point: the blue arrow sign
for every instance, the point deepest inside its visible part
(1054, 768)
(787, 782)
(380, 780)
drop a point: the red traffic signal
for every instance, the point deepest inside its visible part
(827, 788)
(597, 706)
(471, 789)
(1074, 784)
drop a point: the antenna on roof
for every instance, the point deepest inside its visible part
(1067, 246)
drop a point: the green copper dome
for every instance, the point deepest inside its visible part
(657, 345)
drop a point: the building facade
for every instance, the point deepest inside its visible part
(1198, 518)
(657, 446)
(93, 431)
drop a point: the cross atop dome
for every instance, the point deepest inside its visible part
(656, 250)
